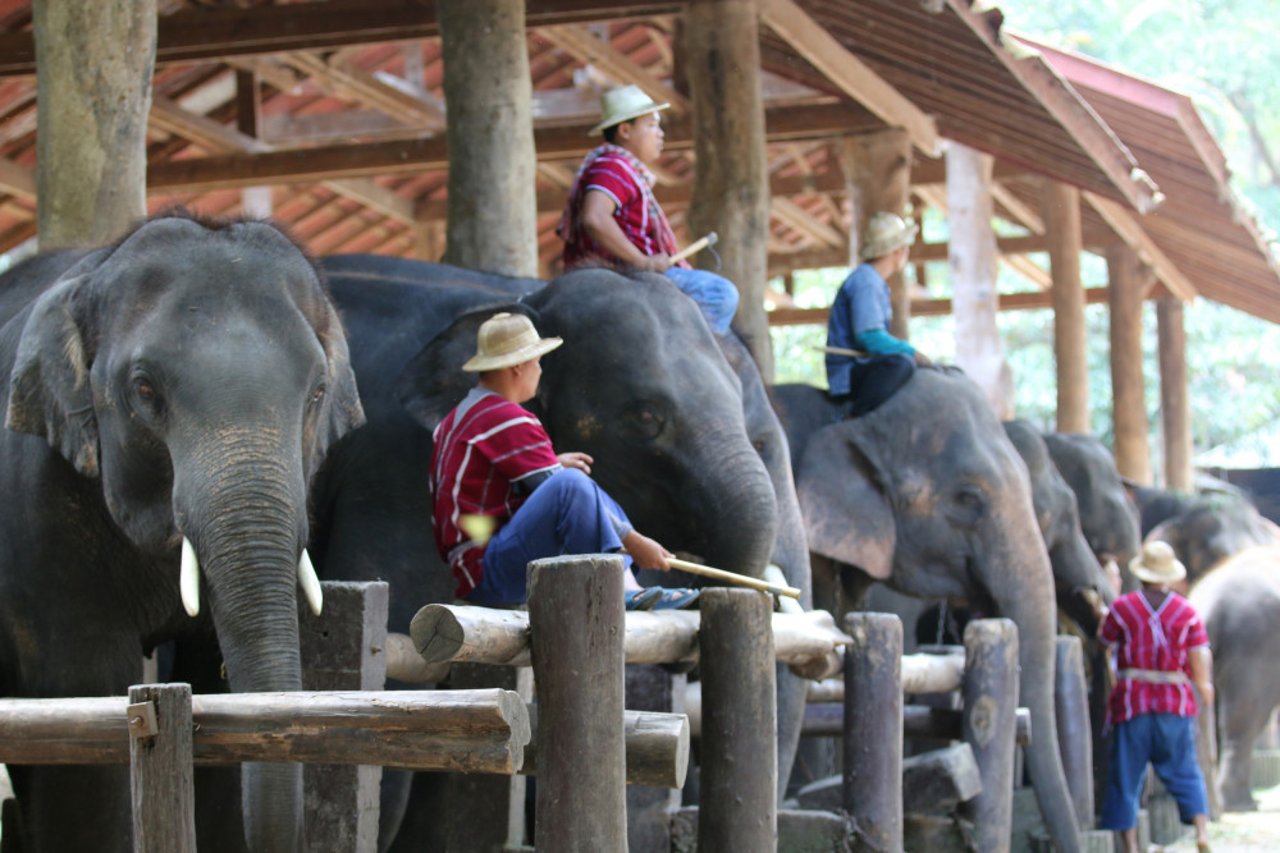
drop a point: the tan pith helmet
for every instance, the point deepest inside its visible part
(886, 232)
(505, 340)
(1157, 564)
(623, 104)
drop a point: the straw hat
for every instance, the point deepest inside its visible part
(505, 340)
(623, 104)
(885, 233)
(1157, 564)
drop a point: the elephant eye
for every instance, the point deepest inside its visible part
(969, 504)
(145, 389)
(646, 422)
(318, 394)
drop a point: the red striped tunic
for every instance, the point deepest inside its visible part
(483, 449)
(1155, 640)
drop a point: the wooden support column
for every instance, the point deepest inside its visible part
(1175, 409)
(254, 201)
(877, 175)
(1075, 736)
(578, 667)
(1060, 207)
(94, 64)
(971, 256)
(428, 240)
(873, 727)
(739, 803)
(990, 715)
(493, 209)
(1127, 281)
(721, 43)
(161, 768)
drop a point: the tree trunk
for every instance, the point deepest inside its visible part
(1128, 279)
(93, 97)
(1061, 209)
(493, 208)
(1174, 408)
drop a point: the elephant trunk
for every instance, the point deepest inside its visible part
(247, 527)
(745, 513)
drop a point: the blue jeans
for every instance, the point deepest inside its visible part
(567, 514)
(1168, 742)
(874, 380)
(715, 295)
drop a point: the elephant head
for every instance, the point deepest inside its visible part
(1108, 515)
(1213, 527)
(194, 376)
(927, 494)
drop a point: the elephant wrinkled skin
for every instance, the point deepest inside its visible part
(185, 382)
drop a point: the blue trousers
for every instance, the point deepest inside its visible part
(715, 295)
(566, 514)
(874, 380)
(1168, 742)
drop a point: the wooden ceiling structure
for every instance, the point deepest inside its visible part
(336, 107)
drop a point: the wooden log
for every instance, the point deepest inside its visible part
(1075, 735)
(826, 719)
(578, 668)
(921, 673)
(404, 664)
(657, 748)
(1174, 408)
(160, 768)
(475, 731)
(873, 727)
(459, 633)
(652, 688)
(739, 755)
(941, 779)
(1060, 207)
(1126, 282)
(990, 702)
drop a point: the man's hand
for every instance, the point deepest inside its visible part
(923, 360)
(658, 263)
(574, 459)
(646, 553)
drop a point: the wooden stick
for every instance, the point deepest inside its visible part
(840, 351)
(733, 577)
(695, 247)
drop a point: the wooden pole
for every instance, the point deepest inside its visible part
(990, 706)
(873, 727)
(649, 808)
(721, 62)
(657, 748)
(918, 722)
(1060, 207)
(577, 666)
(1127, 280)
(1075, 735)
(738, 809)
(971, 257)
(493, 207)
(1174, 409)
(94, 63)
(161, 768)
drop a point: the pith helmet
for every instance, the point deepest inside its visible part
(623, 104)
(505, 340)
(885, 233)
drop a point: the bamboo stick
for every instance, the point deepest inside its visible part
(733, 577)
(695, 247)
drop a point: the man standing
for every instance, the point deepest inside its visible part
(612, 214)
(504, 498)
(1161, 648)
(859, 322)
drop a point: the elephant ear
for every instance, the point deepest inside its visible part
(433, 381)
(844, 499)
(49, 391)
(344, 410)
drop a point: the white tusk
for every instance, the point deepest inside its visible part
(310, 583)
(189, 579)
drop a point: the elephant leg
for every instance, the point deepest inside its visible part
(1241, 721)
(73, 808)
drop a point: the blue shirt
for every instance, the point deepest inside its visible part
(859, 320)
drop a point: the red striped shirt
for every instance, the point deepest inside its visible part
(483, 448)
(1156, 640)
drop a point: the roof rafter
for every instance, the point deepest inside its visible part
(586, 48)
(1127, 226)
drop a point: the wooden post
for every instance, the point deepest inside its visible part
(1060, 207)
(739, 806)
(1075, 736)
(493, 207)
(873, 727)
(1127, 281)
(342, 650)
(93, 83)
(428, 240)
(578, 668)
(161, 768)
(1174, 408)
(990, 713)
(649, 808)
(256, 202)
(731, 190)
(877, 175)
(971, 256)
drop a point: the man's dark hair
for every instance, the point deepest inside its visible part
(611, 133)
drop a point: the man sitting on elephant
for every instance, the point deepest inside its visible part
(613, 216)
(866, 364)
(504, 498)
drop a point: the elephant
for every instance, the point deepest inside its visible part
(677, 420)
(1239, 601)
(1212, 527)
(170, 399)
(927, 494)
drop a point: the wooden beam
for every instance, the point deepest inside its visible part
(787, 211)
(933, 307)
(1128, 227)
(17, 180)
(1060, 206)
(1125, 275)
(586, 48)
(853, 76)
(199, 33)
(418, 109)
(1023, 214)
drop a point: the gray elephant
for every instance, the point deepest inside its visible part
(682, 437)
(1212, 527)
(1108, 515)
(928, 495)
(169, 400)
(1239, 601)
